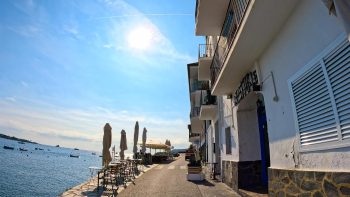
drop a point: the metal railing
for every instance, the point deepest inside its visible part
(193, 134)
(205, 50)
(234, 16)
(209, 100)
(199, 85)
(195, 111)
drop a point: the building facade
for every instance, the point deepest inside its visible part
(280, 75)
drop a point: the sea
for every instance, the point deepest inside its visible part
(46, 172)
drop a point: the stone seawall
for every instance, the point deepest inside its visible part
(308, 183)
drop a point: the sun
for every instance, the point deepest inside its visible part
(140, 38)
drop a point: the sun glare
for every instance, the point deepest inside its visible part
(140, 38)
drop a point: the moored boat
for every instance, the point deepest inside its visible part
(23, 149)
(73, 155)
(9, 147)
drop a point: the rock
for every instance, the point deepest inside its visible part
(310, 185)
(280, 194)
(345, 190)
(292, 189)
(277, 186)
(319, 176)
(305, 194)
(309, 175)
(285, 180)
(329, 189)
(317, 194)
(341, 177)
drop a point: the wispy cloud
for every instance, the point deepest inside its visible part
(84, 126)
(26, 30)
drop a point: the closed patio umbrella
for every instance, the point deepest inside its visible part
(169, 143)
(107, 142)
(123, 145)
(144, 138)
(136, 137)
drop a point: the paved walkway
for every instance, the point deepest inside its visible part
(89, 188)
(160, 180)
(170, 180)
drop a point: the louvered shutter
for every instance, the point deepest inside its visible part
(338, 70)
(314, 112)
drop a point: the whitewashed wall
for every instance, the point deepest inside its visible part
(308, 31)
(225, 120)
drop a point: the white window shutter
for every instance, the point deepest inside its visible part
(338, 69)
(313, 106)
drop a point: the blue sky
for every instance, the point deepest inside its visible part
(68, 67)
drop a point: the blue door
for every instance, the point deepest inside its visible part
(264, 142)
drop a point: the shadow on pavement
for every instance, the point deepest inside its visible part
(93, 193)
(164, 162)
(204, 182)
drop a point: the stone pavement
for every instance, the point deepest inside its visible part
(89, 188)
(170, 180)
(167, 179)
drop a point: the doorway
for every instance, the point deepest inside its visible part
(254, 154)
(264, 141)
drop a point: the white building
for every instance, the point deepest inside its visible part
(281, 74)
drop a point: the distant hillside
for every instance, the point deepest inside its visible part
(183, 150)
(16, 139)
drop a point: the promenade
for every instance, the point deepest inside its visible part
(168, 179)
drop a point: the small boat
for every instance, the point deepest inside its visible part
(75, 156)
(9, 147)
(76, 148)
(93, 153)
(57, 145)
(100, 156)
(41, 149)
(23, 149)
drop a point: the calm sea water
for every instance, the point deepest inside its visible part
(47, 172)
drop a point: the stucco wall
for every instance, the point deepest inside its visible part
(308, 31)
(210, 144)
(225, 120)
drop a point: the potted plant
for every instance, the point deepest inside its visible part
(194, 167)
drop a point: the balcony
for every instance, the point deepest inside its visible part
(209, 17)
(209, 108)
(199, 85)
(249, 28)
(193, 137)
(205, 58)
(197, 125)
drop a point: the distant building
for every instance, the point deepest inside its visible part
(274, 112)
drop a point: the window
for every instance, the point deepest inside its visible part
(321, 100)
(228, 140)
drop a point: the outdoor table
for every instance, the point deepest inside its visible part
(94, 169)
(138, 162)
(135, 163)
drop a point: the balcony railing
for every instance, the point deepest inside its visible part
(195, 112)
(205, 50)
(210, 100)
(199, 85)
(190, 134)
(234, 16)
